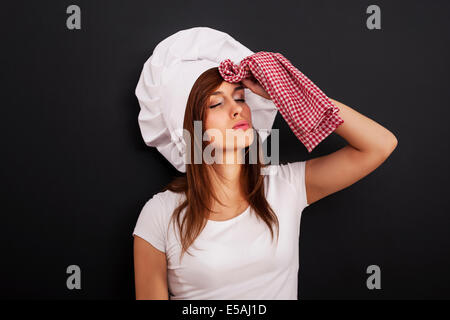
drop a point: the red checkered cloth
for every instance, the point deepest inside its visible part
(308, 111)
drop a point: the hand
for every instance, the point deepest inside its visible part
(255, 87)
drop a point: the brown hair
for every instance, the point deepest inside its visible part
(196, 182)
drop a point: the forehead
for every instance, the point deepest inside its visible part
(227, 87)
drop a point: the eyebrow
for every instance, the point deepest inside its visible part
(235, 89)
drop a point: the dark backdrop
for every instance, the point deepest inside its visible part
(75, 171)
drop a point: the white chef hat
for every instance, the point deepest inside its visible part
(167, 79)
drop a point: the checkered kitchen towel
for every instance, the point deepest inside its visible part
(308, 111)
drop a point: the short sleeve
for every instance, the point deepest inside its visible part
(151, 224)
(294, 174)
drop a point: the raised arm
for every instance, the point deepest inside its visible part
(370, 144)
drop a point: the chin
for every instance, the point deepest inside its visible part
(240, 139)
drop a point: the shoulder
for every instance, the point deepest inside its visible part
(168, 196)
(153, 221)
(164, 202)
(289, 172)
(159, 209)
(287, 179)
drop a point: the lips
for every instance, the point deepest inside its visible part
(241, 125)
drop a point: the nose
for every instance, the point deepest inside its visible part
(236, 109)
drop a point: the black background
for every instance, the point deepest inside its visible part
(75, 171)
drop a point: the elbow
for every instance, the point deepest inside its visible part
(395, 142)
(390, 146)
(385, 146)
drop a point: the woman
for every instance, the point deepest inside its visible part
(242, 226)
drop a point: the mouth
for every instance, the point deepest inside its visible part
(241, 125)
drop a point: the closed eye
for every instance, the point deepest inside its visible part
(211, 107)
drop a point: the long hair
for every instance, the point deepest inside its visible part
(196, 183)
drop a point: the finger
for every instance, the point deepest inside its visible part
(248, 83)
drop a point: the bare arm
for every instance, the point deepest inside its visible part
(370, 144)
(150, 271)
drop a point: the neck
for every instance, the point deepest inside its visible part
(227, 175)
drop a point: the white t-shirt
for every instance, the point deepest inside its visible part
(233, 259)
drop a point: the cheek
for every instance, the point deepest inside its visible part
(216, 125)
(209, 119)
(214, 120)
(248, 113)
